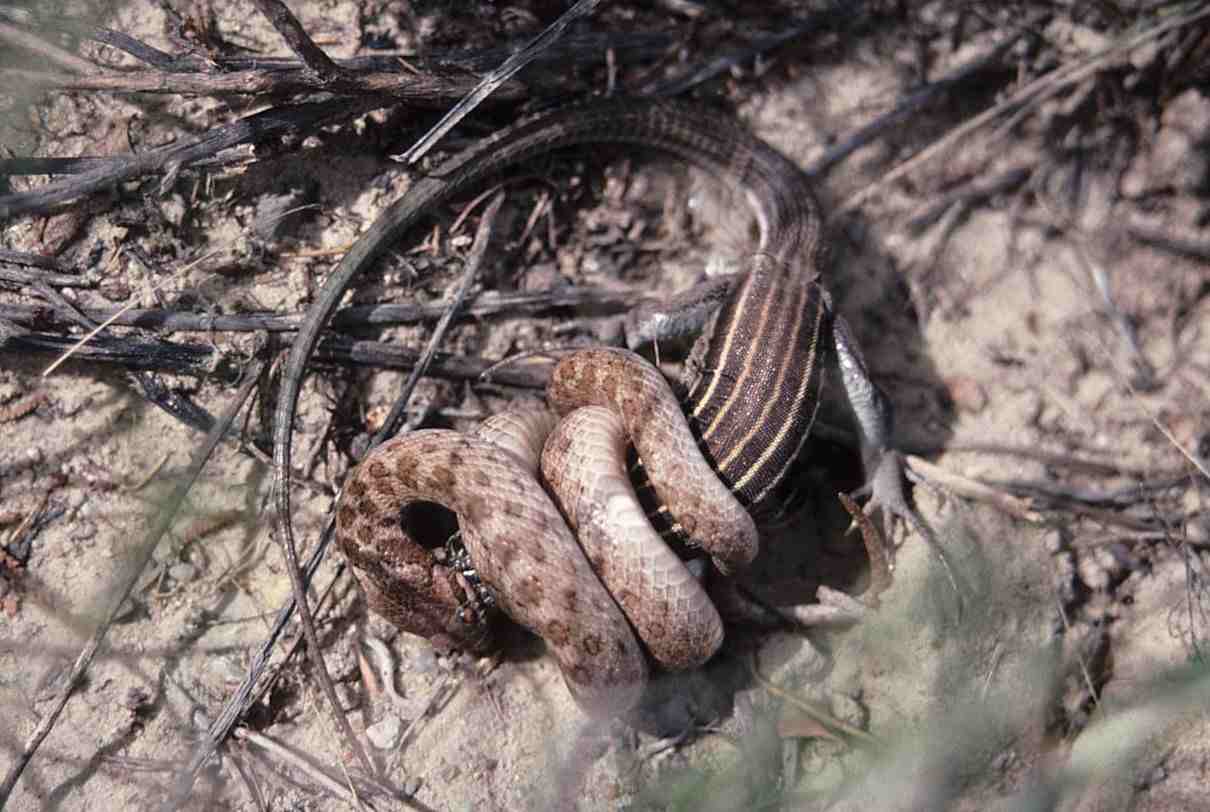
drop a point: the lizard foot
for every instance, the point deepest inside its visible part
(885, 489)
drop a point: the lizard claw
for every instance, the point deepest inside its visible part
(886, 491)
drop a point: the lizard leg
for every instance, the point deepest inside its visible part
(875, 421)
(680, 316)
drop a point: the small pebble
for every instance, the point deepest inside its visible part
(386, 732)
(849, 710)
(967, 394)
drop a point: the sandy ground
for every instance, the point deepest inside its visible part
(1054, 663)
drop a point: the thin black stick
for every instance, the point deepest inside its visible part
(474, 262)
(451, 367)
(488, 303)
(18, 276)
(498, 77)
(423, 90)
(32, 260)
(299, 41)
(161, 355)
(155, 355)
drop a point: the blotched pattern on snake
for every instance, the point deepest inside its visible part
(582, 598)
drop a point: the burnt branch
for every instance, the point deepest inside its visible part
(203, 360)
(580, 298)
(277, 122)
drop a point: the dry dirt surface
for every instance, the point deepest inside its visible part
(1018, 202)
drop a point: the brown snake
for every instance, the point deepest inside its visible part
(527, 554)
(752, 396)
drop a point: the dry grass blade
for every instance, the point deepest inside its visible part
(823, 717)
(94, 332)
(247, 692)
(163, 521)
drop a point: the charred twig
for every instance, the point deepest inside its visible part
(172, 403)
(19, 544)
(274, 123)
(427, 90)
(139, 50)
(18, 276)
(439, 79)
(372, 82)
(1187, 243)
(490, 83)
(132, 353)
(384, 77)
(74, 315)
(451, 367)
(33, 260)
(299, 41)
(13, 167)
(579, 49)
(488, 303)
(198, 360)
